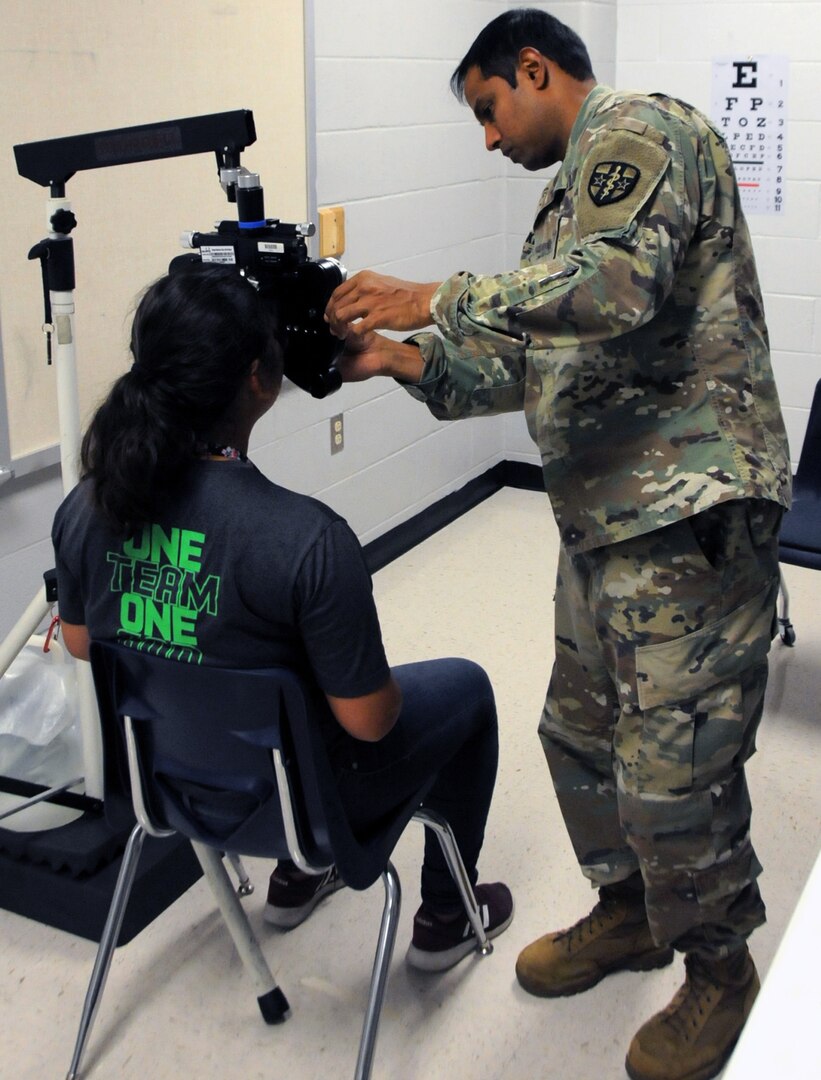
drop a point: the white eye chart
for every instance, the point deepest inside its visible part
(750, 109)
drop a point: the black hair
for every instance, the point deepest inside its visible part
(194, 336)
(496, 50)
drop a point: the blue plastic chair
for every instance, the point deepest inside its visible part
(800, 539)
(235, 761)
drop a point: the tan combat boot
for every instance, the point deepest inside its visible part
(694, 1036)
(615, 936)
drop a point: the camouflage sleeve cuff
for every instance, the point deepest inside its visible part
(459, 382)
(430, 346)
(445, 303)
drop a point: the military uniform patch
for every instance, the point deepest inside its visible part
(612, 181)
(617, 182)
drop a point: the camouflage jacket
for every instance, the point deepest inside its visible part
(633, 334)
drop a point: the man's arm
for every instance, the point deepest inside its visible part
(620, 270)
(616, 278)
(485, 377)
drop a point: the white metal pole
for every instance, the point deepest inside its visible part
(64, 356)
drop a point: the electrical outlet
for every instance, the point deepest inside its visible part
(337, 434)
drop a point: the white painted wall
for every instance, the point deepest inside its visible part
(423, 199)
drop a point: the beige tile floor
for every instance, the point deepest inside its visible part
(177, 1003)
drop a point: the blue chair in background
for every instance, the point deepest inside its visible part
(800, 540)
(235, 761)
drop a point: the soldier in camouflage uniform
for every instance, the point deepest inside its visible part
(633, 337)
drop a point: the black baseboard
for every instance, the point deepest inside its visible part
(397, 542)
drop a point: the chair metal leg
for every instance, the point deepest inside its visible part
(787, 629)
(272, 1002)
(379, 978)
(450, 849)
(245, 886)
(108, 942)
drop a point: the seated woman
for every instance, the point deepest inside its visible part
(175, 542)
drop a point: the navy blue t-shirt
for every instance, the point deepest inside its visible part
(241, 573)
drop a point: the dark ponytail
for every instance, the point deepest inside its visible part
(194, 338)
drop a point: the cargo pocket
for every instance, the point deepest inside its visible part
(691, 700)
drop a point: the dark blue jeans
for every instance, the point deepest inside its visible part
(447, 728)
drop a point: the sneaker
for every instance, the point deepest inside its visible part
(438, 944)
(293, 895)
(615, 936)
(694, 1036)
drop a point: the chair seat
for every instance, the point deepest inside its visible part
(800, 539)
(800, 557)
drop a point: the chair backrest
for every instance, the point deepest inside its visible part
(204, 738)
(808, 474)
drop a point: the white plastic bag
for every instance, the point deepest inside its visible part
(40, 738)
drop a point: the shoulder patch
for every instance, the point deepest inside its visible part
(621, 171)
(611, 181)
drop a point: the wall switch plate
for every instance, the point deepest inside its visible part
(331, 231)
(337, 434)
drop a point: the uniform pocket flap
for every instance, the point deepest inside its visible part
(678, 670)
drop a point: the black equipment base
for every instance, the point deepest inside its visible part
(33, 882)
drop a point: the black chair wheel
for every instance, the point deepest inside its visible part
(788, 636)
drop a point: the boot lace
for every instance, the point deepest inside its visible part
(577, 935)
(692, 1003)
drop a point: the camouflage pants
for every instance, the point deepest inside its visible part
(651, 713)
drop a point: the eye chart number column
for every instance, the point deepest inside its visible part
(750, 109)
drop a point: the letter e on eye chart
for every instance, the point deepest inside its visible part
(750, 109)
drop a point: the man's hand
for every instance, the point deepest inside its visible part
(370, 301)
(372, 354)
